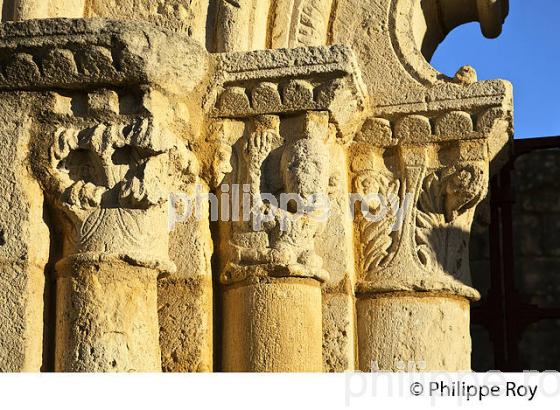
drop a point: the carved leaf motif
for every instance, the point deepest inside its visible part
(313, 22)
(430, 201)
(446, 194)
(259, 146)
(128, 161)
(300, 23)
(377, 233)
(92, 224)
(430, 237)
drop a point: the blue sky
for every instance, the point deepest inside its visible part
(527, 54)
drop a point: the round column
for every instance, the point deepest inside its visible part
(273, 326)
(106, 317)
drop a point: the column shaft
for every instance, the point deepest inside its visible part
(273, 326)
(106, 317)
(413, 332)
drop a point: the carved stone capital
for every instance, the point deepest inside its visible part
(281, 169)
(426, 165)
(413, 217)
(111, 184)
(281, 110)
(114, 115)
(108, 157)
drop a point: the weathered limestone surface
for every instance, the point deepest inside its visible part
(185, 300)
(187, 16)
(107, 158)
(24, 242)
(405, 323)
(433, 138)
(292, 155)
(282, 329)
(33, 9)
(304, 117)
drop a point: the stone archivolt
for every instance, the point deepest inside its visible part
(116, 116)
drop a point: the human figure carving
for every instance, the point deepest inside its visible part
(290, 225)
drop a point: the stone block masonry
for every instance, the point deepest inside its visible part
(104, 120)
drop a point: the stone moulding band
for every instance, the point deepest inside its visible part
(158, 265)
(73, 54)
(288, 81)
(428, 128)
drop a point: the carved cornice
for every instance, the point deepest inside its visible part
(287, 81)
(74, 54)
(438, 127)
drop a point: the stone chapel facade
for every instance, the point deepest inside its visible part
(109, 108)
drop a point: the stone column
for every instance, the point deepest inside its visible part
(109, 185)
(106, 131)
(273, 326)
(418, 197)
(433, 137)
(272, 296)
(286, 118)
(105, 117)
(185, 297)
(106, 315)
(243, 25)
